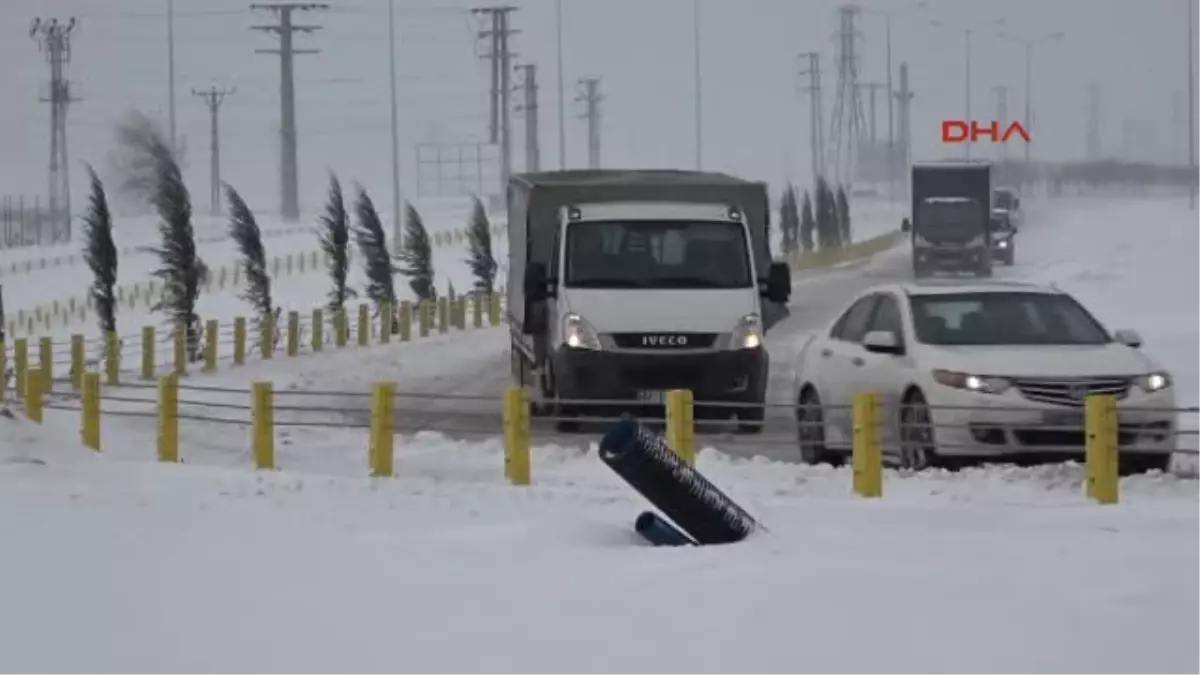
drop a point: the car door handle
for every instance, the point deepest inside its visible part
(857, 361)
(826, 353)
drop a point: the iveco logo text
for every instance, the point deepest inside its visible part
(664, 340)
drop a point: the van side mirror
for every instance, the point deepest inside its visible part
(905, 225)
(779, 283)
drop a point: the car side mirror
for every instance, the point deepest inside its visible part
(905, 225)
(882, 342)
(1129, 338)
(779, 283)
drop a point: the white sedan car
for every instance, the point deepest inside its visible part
(978, 370)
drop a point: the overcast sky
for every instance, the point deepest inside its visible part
(755, 120)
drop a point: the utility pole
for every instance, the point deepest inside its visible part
(397, 216)
(213, 98)
(699, 92)
(171, 73)
(286, 30)
(871, 88)
(54, 40)
(562, 96)
(815, 121)
(529, 108)
(590, 96)
(1093, 144)
(500, 56)
(903, 98)
(1191, 24)
(1001, 92)
(846, 133)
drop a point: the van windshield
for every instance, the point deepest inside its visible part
(656, 254)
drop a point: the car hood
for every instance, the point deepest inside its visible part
(1042, 360)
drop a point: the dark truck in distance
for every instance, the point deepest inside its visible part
(951, 222)
(636, 282)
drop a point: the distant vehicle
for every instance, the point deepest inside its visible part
(639, 282)
(1006, 199)
(951, 218)
(1004, 240)
(978, 370)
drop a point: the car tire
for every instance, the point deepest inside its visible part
(810, 431)
(918, 443)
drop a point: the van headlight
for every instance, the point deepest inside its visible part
(578, 333)
(981, 384)
(1153, 382)
(748, 333)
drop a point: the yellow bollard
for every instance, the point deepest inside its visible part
(318, 330)
(34, 384)
(517, 434)
(179, 343)
(212, 334)
(112, 358)
(477, 310)
(364, 325)
(168, 419)
(386, 319)
(262, 426)
(405, 321)
(426, 309)
(148, 352)
(20, 364)
(239, 341)
(494, 310)
(46, 363)
(341, 327)
(90, 406)
(681, 428)
(266, 336)
(443, 314)
(77, 361)
(381, 453)
(293, 331)
(1101, 448)
(867, 448)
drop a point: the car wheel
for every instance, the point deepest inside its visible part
(810, 431)
(918, 449)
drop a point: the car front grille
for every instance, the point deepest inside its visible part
(1071, 391)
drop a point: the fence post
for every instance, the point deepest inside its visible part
(1101, 448)
(112, 358)
(477, 310)
(77, 361)
(517, 462)
(212, 331)
(341, 327)
(405, 320)
(34, 381)
(179, 343)
(20, 364)
(91, 411)
(381, 452)
(46, 363)
(168, 419)
(681, 431)
(443, 314)
(867, 448)
(262, 426)
(148, 339)
(239, 340)
(318, 330)
(266, 335)
(293, 331)
(426, 310)
(364, 325)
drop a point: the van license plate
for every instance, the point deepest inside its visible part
(651, 396)
(1073, 420)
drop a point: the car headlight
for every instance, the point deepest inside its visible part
(578, 333)
(748, 333)
(1153, 382)
(982, 384)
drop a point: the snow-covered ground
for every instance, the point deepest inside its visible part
(210, 566)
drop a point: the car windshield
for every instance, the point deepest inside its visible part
(1002, 199)
(1004, 319)
(656, 254)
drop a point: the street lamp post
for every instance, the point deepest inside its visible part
(1029, 44)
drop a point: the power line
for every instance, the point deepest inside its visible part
(286, 29)
(213, 98)
(54, 40)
